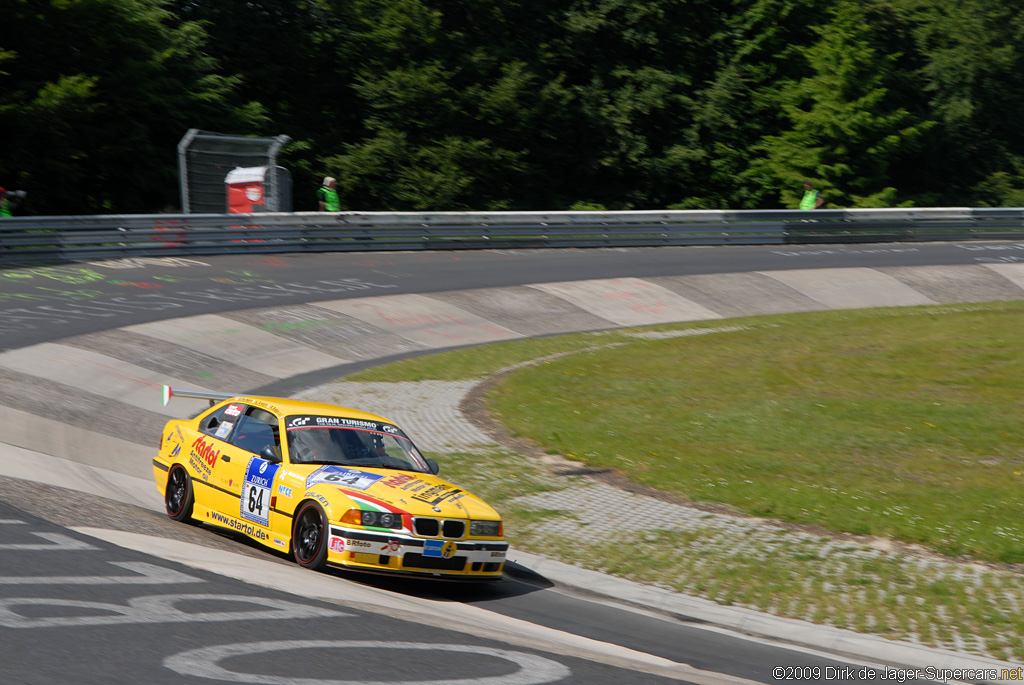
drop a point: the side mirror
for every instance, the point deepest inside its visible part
(434, 466)
(270, 454)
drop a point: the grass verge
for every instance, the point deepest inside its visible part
(900, 423)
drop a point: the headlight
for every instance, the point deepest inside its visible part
(373, 519)
(489, 529)
(381, 519)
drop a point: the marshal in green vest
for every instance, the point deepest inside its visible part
(327, 196)
(812, 199)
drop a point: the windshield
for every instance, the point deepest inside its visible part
(319, 440)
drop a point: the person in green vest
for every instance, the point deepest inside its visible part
(9, 201)
(812, 199)
(327, 196)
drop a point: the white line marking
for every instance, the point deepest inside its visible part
(203, 663)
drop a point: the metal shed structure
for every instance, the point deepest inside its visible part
(205, 158)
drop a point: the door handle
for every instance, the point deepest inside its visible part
(226, 458)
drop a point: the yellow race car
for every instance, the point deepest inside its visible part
(332, 486)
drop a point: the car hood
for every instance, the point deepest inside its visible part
(419, 494)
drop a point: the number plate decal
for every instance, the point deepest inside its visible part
(259, 480)
(339, 475)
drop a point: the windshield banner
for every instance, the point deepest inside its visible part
(312, 421)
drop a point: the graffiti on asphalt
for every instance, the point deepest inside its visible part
(103, 305)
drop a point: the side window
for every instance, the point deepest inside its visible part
(256, 429)
(220, 423)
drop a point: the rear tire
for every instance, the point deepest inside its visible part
(178, 496)
(309, 536)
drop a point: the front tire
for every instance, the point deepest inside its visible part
(309, 536)
(178, 495)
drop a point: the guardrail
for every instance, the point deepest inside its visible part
(67, 238)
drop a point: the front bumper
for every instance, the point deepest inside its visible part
(407, 554)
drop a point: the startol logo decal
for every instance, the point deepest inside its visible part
(205, 450)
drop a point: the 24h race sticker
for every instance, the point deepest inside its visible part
(259, 479)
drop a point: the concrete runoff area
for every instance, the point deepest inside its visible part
(853, 288)
(948, 284)
(423, 319)
(527, 310)
(244, 345)
(328, 331)
(96, 373)
(629, 301)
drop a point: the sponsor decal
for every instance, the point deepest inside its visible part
(439, 548)
(240, 526)
(391, 546)
(398, 480)
(358, 543)
(206, 451)
(177, 439)
(279, 543)
(497, 555)
(341, 476)
(287, 492)
(337, 544)
(223, 429)
(256, 489)
(330, 421)
(389, 429)
(349, 423)
(260, 403)
(201, 468)
(436, 494)
(318, 497)
(233, 410)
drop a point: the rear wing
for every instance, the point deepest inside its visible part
(214, 397)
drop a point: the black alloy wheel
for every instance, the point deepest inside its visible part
(178, 496)
(309, 536)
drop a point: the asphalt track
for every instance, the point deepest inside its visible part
(81, 600)
(88, 297)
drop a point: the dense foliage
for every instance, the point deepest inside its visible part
(522, 104)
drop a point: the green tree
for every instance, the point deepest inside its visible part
(846, 123)
(760, 48)
(440, 108)
(972, 77)
(630, 71)
(95, 98)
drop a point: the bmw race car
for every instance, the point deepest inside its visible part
(332, 486)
